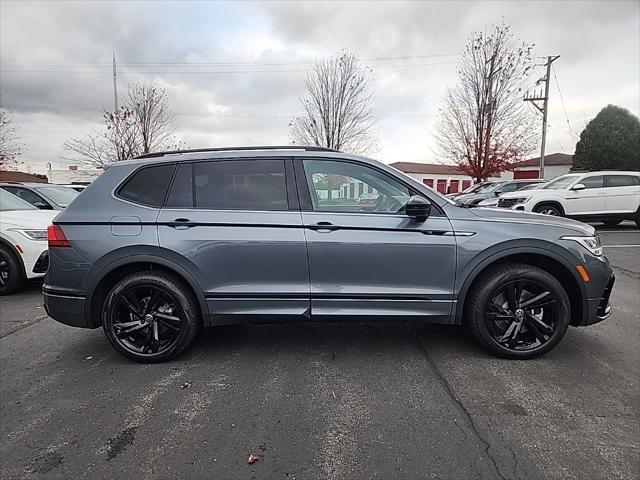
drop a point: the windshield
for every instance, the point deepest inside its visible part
(8, 201)
(60, 195)
(560, 182)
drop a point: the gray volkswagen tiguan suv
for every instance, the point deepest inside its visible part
(162, 245)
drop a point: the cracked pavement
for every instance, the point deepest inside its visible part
(324, 400)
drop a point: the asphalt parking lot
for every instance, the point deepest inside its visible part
(324, 401)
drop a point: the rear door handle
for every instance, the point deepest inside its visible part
(182, 224)
(323, 227)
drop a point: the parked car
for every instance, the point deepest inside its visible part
(492, 201)
(23, 242)
(494, 190)
(170, 242)
(610, 197)
(44, 196)
(472, 189)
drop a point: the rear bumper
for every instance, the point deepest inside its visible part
(65, 308)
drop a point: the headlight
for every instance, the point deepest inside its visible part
(32, 234)
(520, 200)
(590, 243)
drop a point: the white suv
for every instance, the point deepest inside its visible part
(23, 241)
(606, 196)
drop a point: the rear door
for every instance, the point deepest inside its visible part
(622, 193)
(589, 201)
(372, 259)
(236, 225)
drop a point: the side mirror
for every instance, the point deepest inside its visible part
(418, 207)
(578, 186)
(497, 193)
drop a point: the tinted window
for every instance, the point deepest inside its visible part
(27, 195)
(349, 187)
(148, 186)
(508, 187)
(9, 202)
(593, 182)
(241, 185)
(181, 194)
(619, 180)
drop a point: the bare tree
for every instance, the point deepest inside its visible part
(10, 145)
(144, 124)
(337, 106)
(485, 127)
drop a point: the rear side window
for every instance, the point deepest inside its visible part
(593, 182)
(241, 185)
(181, 194)
(620, 181)
(148, 186)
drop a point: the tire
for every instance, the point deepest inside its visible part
(539, 331)
(11, 272)
(611, 223)
(637, 218)
(549, 209)
(165, 311)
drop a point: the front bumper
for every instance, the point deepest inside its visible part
(65, 308)
(600, 309)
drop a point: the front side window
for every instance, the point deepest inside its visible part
(148, 186)
(349, 187)
(593, 182)
(508, 187)
(241, 185)
(619, 181)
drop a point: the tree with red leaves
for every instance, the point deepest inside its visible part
(485, 126)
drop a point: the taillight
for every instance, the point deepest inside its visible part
(56, 238)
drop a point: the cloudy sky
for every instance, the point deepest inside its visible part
(234, 71)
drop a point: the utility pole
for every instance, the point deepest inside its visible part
(539, 97)
(115, 84)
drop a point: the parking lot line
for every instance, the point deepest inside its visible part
(620, 246)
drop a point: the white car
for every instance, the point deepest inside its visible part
(607, 196)
(23, 241)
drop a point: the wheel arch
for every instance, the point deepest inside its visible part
(553, 203)
(110, 274)
(548, 260)
(14, 251)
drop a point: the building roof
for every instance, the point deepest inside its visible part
(552, 159)
(8, 176)
(432, 168)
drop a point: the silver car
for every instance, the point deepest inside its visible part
(161, 246)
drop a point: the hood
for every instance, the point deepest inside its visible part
(514, 216)
(28, 219)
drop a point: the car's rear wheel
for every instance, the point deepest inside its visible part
(517, 311)
(150, 316)
(548, 209)
(611, 223)
(11, 275)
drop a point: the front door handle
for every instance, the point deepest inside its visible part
(323, 227)
(182, 224)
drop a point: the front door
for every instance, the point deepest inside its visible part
(237, 224)
(590, 200)
(366, 256)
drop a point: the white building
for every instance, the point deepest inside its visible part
(73, 174)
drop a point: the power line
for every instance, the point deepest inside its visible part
(563, 106)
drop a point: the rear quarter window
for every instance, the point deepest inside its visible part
(147, 186)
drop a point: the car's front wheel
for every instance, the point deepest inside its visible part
(517, 311)
(150, 316)
(611, 223)
(11, 276)
(548, 209)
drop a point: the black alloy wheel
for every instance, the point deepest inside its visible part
(521, 315)
(150, 317)
(11, 273)
(517, 310)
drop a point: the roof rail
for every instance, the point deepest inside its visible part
(310, 148)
